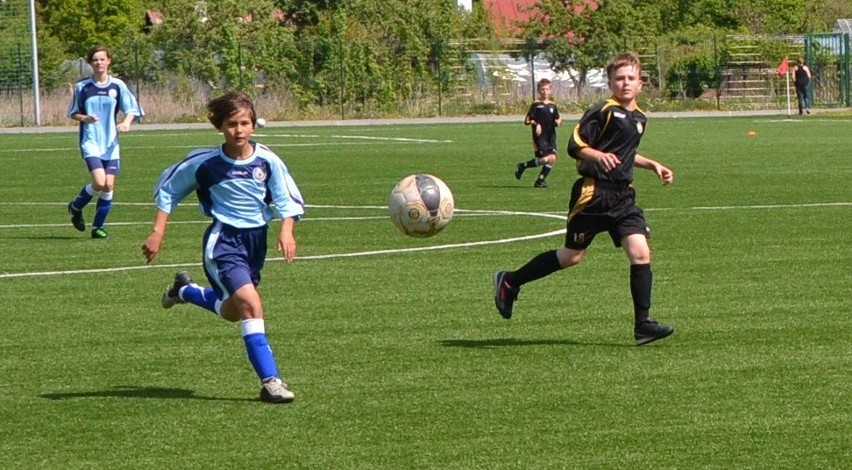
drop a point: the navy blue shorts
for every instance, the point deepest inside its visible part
(233, 257)
(597, 207)
(110, 167)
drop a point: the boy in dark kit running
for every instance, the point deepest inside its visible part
(543, 116)
(604, 145)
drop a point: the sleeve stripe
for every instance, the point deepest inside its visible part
(579, 139)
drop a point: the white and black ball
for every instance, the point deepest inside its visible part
(421, 205)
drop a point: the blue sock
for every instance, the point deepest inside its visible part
(102, 209)
(258, 350)
(201, 296)
(85, 196)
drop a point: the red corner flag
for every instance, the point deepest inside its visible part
(782, 69)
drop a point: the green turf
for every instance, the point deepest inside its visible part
(398, 358)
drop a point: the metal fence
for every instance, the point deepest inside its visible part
(719, 72)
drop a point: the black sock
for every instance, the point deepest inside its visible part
(531, 163)
(542, 265)
(641, 279)
(545, 170)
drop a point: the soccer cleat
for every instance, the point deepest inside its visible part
(519, 170)
(276, 391)
(99, 233)
(649, 331)
(504, 294)
(76, 218)
(540, 183)
(171, 296)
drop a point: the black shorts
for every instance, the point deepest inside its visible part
(544, 146)
(597, 207)
(541, 153)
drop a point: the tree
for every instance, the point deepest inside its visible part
(578, 36)
(81, 24)
(226, 43)
(381, 52)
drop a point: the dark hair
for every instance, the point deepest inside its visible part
(95, 50)
(542, 83)
(227, 105)
(622, 60)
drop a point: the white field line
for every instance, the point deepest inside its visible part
(462, 212)
(276, 145)
(347, 138)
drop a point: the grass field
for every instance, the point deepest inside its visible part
(395, 352)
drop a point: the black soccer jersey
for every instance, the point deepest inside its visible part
(609, 128)
(545, 114)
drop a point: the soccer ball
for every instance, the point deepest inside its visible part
(421, 205)
(261, 122)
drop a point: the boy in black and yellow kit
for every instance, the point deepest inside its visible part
(604, 144)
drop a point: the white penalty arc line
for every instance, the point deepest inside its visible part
(328, 256)
(430, 248)
(453, 245)
(407, 250)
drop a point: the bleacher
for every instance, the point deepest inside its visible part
(747, 79)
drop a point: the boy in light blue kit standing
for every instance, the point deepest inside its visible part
(241, 185)
(96, 103)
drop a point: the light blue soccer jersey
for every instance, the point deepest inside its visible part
(240, 193)
(100, 139)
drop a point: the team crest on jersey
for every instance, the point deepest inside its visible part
(112, 93)
(639, 127)
(259, 174)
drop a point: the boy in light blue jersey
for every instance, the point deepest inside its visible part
(241, 185)
(96, 103)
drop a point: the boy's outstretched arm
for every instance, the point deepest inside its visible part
(155, 239)
(666, 175)
(286, 240)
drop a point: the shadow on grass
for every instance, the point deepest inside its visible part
(127, 391)
(507, 342)
(42, 237)
(508, 186)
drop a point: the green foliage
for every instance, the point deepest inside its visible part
(366, 52)
(381, 54)
(692, 56)
(677, 15)
(773, 16)
(225, 44)
(367, 56)
(570, 34)
(575, 36)
(81, 24)
(690, 75)
(15, 58)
